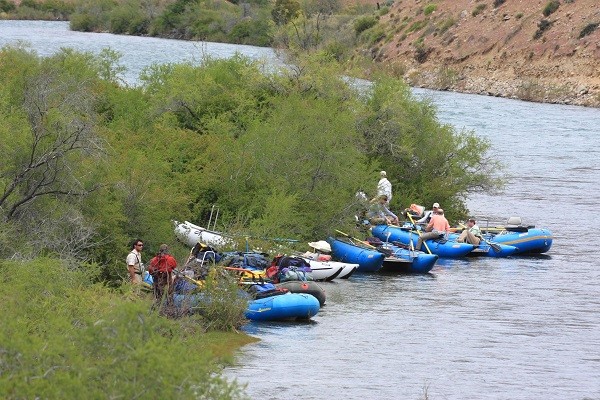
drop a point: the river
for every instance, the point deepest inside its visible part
(517, 328)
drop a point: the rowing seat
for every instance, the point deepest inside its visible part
(514, 222)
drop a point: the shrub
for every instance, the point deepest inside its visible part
(519, 15)
(251, 31)
(363, 23)
(284, 10)
(31, 4)
(498, 3)
(429, 8)
(543, 26)
(421, 53)
(384, 10)
(446, 24)
(83, 22)
(416, 26)
(374, 35)
(589, 28)
(551, 7)
(82, 338)
(128, 20)
(478, 9)
(6, 6)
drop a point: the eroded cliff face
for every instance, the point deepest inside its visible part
(508, 49)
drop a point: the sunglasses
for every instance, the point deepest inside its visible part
(139, 245)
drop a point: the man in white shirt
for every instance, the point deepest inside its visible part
(134, 262)
(384, 187)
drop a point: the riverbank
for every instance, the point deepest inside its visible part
(63, 334)
(541, 50)
(523, 50)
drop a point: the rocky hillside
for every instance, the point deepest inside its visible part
(539, 50)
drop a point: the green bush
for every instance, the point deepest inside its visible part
(7, 6)
(478, 9)
(83, 22)
(128, 20)
(363, 23)
(429, 9)
(589, 28)
(257, 118)
(416, 26)
(550, 7)
(62, 336)
(446, 24)
(251, 31)
(31, 4)
(543, 26)
(498, 3)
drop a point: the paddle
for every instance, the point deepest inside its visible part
(494, 246)
(358, 240)
(418, 232)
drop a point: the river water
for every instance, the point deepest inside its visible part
(517, 328)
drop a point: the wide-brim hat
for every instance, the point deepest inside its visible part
(321, 245)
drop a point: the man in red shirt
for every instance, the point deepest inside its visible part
(161, 268)
(437, 227)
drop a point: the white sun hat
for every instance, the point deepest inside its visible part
(321, 245)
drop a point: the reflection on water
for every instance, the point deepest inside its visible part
(478, 328)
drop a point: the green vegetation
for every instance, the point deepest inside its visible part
(429, 8)
(62, 335)
(550, 7)
(417, 26)
(446, 24)
(89, 164)
(498, 3)
(363, 23)
(588, 29)
(519, 15)
(7, 6)
(32, 9)
(478, 9)
(543, 26)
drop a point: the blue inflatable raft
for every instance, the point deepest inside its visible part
(447, 249)
(283, 307)
(531, 240)
(490, 249)
(345, 250)
(274, 308)
(406, 261)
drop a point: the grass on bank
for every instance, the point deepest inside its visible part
(62, 335)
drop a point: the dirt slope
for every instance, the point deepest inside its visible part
(470, 46)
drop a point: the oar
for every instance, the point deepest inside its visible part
(358, 240)
(494, 246)
(418, 232)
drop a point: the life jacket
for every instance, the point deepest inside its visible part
(416, 210)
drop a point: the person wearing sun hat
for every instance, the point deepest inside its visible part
(319, 247)
(429, 213)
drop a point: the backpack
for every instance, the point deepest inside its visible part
(289, 268)
(260, 291)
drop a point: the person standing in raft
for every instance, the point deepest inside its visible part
(134, 262)
(384, 187)
(437, 227)
(161, 268)
(471, 234)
